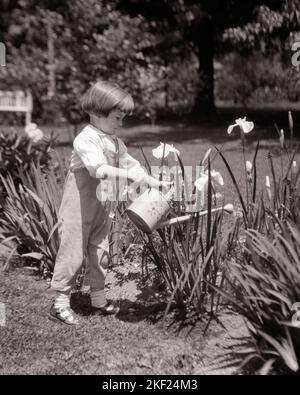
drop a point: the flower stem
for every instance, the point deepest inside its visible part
(244, 157)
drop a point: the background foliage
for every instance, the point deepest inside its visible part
(162, 51)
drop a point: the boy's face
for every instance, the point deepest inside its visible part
(114, 121)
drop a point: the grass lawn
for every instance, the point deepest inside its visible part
(135, 341)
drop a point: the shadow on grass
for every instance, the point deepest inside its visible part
(151, 301)
(129, 311)
(180, 321)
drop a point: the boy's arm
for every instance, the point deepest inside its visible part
(111, 173)
(137, 175)
(133, 166)
(90, 153)
(92, 156)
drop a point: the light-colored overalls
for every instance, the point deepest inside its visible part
(84, 226)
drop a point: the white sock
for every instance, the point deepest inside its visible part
(98, 298)
(62, 300)
(85, 288)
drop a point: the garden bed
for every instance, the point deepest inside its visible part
(136, 341)
(139, 340)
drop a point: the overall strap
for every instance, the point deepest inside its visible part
(117, 164)
(117, 158)
(116, 224)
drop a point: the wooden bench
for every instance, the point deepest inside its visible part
(17, 101)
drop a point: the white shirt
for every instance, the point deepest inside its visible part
(93, 148)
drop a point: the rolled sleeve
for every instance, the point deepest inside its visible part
(90, 152)
(127, 161)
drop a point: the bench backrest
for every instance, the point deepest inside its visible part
(17, 101)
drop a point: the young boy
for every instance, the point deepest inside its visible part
(84, 218)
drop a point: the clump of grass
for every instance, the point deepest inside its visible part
(30, 217)
(189, 255)
(264, 272)
(265, 289)
(19, 152)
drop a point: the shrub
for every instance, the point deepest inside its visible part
(31, 213)
(256, 79)
(264, 272)
(189, 255)
(18, 152)
(265, 290)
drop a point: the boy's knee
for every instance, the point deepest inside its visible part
(103, 258)
(99, 256)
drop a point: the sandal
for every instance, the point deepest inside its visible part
(108, 309)
(64, 315)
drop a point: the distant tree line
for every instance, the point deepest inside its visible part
(160, 50)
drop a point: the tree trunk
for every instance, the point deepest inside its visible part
(204, 101)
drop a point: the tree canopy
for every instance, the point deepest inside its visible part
(57, 48)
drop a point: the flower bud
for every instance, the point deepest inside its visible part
(291, 122)
(281, 138)
(268, 187)
(248, 166)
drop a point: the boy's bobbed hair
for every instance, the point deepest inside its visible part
(103, 97)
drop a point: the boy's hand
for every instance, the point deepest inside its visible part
(136, 176)
(165, 185)
(161, 185)
(141, 177)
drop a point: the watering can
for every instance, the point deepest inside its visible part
(148, 211)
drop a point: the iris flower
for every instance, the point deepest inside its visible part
(249, 167)
(268, 187)
(201, 182)
(281, 138)
(164, 149)
(244, 125)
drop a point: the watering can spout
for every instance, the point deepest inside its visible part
(228, 208)
(150, 209)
